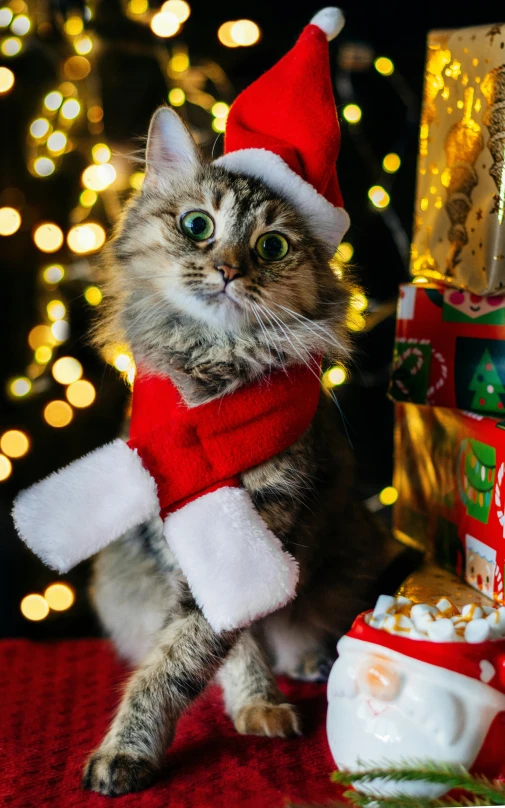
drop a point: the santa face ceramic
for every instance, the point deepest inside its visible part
(386, 706)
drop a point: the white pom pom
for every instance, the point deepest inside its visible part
(330, 20)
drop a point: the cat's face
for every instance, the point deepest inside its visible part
(219, 248)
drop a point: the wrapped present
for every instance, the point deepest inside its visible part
(450, 472)
(450, 349)
(459, 232)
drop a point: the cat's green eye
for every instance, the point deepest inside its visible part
(272, 246)
(197, 225)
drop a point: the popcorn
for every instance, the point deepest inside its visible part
(443, 622)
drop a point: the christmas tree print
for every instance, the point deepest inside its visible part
(487, 386)
(478, 478)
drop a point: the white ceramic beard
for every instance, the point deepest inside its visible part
(430, 713)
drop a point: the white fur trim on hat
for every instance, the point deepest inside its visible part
(236, 568)
(327, 222)
(78, 510)
(330, 20)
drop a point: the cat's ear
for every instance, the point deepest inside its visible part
(170, 148)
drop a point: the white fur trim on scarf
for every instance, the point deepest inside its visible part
(327, 222)
(330, 20)
(236, 568)
(78, 510)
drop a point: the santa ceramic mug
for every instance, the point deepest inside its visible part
(393, 699)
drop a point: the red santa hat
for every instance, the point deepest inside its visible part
(283, 129)
(483, 661)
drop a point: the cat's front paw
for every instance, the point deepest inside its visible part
(272, 720)
(112, 773)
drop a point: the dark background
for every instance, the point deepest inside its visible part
(132, 87)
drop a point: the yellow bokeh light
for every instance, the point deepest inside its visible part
(224, 35)
(335, 376)
(68, 89)
(20, 387)
(391, 163)
(48, 237)
(70, 109)
(74, 26)
(245, 32)
(43, 355)
(56, 310)
(122, 362)
(95, 114)
(93, 295)
(7, 79)
(6, 16)
(355, 320)
(53, 274)
(53, 100)
(388, 495)
(5, 468)
(21, 25)
(220, 109)
(85, 238)
(34, 607)
(67, 370)
(83, 45)
(424, 203)
(101, 153)
(219, 124)
(137, 180)
(58, 414)
(378, 196)
(179, 8)
(11, 46)
(88, 198)
(138, 6)
(44, 166)
(81, 393)
(60, 331)
(180, 62)
(59, 597)
(345, 251)
(359, 301)
(39, 128)
(384, 66)
(77, 68)
(10, 221)
(57, 142)
(98, 177)
(40, 335)
(177, 97)
(14, 443)
(164, 24)
(352, 113)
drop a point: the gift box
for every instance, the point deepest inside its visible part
(459, 234)
(450, 349)
(450, 472)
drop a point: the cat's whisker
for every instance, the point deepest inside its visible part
(307, 324)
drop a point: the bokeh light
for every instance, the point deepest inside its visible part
(66, 370)
(10, 221)
(137, 180)
(43, 166)
(98, 177)
(101, 153)
(81, 393)
(83, 45)
(378, 196)
(53, 100)
(53, 274)
(93, 295)
(85, 238)
(177, 97)
(56, 310)
(359, 301)
(59, 597)
(6, 16)
(391, 163)
(57, 142)
(11, 46)
(384, 66)
(20, 25)
(20, 387)
(238, 33)
(34, 607)
(335, 376)
(70, 109)
(14, 443)
(60, 330)
(165, 24)
(388, 495)
(179, 8)
(39, 128)
(40, 335)
(180, 62)
(74, 26)
(138, 6)
(5, 468)
(345, 251)
(48, 237)
(7, 79)
(43, 355)
(76, 68)
(58, 414)
(122, 362)
(88, 198)
(352, 113)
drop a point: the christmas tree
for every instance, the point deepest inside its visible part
(487, 386)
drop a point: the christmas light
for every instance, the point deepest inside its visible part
(5, 468)
(137, 180)
(179, 8)
(20, 387)
(10, 221)
(11, 46)
(391, 163)
(88, 198)
(238, 33)
(388, 495)
(67, 370)
(48, 237)
(56, 310)
(57, 142)
(384, 66)
(59, 597)
(34, 607)
(53, 273)
(219, 124)
(98, 177)
(60, 330)
(95, 114)
(93, 295)
(220, 109)
(165, 24)
(177, 97)
(43, 166)
(379, 196)
(74, 26)
(352, 113)
(14, 443)
(122, 362)
(53, 100)
(138, 6)
(70, 109)
(58, 414)
(83, 45)
(20, 25)
(7, 80)
(40, 335)
(39, 128)
(87, 237)
(335, 376)
(345, 251)
(180, 62)
(43, 355)
(101, 153)
(359, 302)
(6, 16)
(81, 393)
(355, 320)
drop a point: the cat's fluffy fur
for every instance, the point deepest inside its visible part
(167, 300)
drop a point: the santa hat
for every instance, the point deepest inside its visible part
(483, 661)
(283, 129)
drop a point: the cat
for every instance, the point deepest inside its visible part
(215, 280)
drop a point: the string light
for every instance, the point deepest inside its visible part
(219, 124)
(137, 180)
(180, 62)
(5, 468)
(93, 295)
(20, 387)
(57, 142)
(335, 376)
(10, 221)
(98, 177)
(48, 237)
(20, 25)
(359, 301)
(43, 166)
(11, 46)
(379, 197)
(352, 113)
(39, 128)
(101, 153)
(53, 274)
(77, 68)
(165, 24)
(43, 355)
(122, 362)
(179, 8)
(239, 33)
(7, 79)
(14, 443)
(6, 16)
(85, 238)
(60, 330)
(88, 198)
(34, 607)
(388, 495)
(81, 393)
(56, 310)
(138, 6)
(59, 597)
(177, 97)
(58, 414)
(355, 320)
(67, 370)
(83, 45)
(345, 251)
(220, 109)
(384, 66)
(53, 100)
(74, 26)
(70, 109)
(391, 163)
(40, 335)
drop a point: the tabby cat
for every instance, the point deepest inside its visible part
(214, 280)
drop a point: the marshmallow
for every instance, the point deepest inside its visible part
(441, 630)
(447, 607)
(477, 630)
(398, 624)
(472, 612)
(384, 602)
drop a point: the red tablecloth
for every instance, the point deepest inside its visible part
(57, 698)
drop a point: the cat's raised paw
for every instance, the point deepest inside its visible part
(272, 720)
(115, 773)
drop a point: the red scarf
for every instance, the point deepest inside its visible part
(191, 451)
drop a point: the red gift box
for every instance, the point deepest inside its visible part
(450, 349)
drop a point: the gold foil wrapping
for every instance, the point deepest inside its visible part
(459, 227)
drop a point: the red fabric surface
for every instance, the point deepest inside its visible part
(189, 451)
(55, 703)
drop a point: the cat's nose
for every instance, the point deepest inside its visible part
(228, 272)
